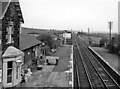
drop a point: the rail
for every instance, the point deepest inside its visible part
(96, 75)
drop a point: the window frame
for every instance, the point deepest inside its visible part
(17, 72)
(9, 76)
(10, 29)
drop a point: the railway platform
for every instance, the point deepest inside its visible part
(112, 59)
(90, 71)
(54, 75)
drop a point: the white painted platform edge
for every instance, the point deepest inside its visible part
(72, 65)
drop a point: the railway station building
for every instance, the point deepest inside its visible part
(10, 25)
(67, 38)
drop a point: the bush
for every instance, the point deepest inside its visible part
(102, 42)
(111, 48)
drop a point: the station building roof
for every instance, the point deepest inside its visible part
(27, 41)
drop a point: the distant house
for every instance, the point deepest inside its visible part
(67, 38)
(10, 26)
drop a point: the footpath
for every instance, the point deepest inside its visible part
(54, 75)
(112, 59)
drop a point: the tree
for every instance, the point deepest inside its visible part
(47, 39)
(111, 46)
(78, 33)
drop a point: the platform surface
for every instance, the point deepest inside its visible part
(112, 59)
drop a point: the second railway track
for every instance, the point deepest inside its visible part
(88, 72)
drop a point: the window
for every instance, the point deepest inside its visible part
(33, 52)
(40, 57)
(9, 71)
(9, 33)
(17, 72)
(43, 51)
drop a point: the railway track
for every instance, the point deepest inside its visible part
(88, 72)
(82, 78)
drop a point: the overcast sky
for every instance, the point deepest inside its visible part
(70, 14)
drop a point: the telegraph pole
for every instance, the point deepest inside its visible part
(81, 32)
(88, 32)
(110, 27)
(89, 35)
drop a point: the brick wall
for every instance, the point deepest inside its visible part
(11, 14)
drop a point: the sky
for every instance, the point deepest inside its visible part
(78, 15)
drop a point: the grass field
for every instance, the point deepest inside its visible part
(39, 31)
(93, 39)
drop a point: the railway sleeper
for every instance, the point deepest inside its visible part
(112, 87)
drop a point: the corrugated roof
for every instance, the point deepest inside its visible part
(27, 41)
